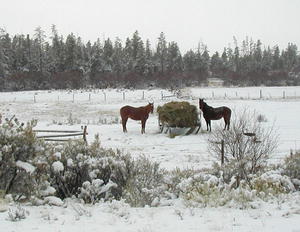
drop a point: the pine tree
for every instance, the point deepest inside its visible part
(174, 59)
(70, 53)
(290, 57)
(149, 66)
(97, 63)
(118, 57)
(40, 37)
(107, 56)
(216, 65)
(276, 64)
(161, 51)
(189, 61)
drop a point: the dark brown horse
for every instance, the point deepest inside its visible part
(210, 113)
(136, 113)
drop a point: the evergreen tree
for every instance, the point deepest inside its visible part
(128, 54)
(40, 37)
(161, 51)
(56, 52)
(189, 60)
(149, 66)
(216, 65)
(267, 60)
(174, 60)
(290, 57)
(107, 56)
(206, 61)
(276, 64)
(97, 62)
(118, 57)
(70, 53)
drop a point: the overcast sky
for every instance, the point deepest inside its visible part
(187, 22)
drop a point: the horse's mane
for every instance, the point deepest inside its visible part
(205, 106)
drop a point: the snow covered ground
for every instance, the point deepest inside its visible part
(99, 110)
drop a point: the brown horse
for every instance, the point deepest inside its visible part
(210, 113)
(139, 113)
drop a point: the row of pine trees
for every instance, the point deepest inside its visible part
(40, 62)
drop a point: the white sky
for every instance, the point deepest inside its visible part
(187, 22)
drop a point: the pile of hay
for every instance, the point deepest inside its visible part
(178, 114)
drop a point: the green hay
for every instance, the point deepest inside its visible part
(178, 114)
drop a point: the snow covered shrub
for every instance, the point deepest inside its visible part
(89, 172)
(174, 179)
(271, 183)
(91, 192)
(17, 214)
(291, 168)
(21, 158)
(203, 189)
(145, 183)
(247, 146)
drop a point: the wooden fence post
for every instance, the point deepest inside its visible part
(260, 94)
(84, 134)
(222, 152)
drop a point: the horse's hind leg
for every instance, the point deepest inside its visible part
(227, 123)
(124, 121)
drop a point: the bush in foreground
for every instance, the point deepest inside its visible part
(291, 168)
(247, 146)
(32, 168)
(21, 155)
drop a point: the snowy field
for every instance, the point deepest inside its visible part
(99, 110)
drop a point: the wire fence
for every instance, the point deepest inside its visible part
(115, 95)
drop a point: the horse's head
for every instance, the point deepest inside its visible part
(150, 106)
(201, 103)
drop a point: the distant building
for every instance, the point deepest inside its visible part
(215, 82)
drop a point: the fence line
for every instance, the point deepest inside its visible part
(57, 137)
(106, 96)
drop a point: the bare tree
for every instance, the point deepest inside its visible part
(247, 145)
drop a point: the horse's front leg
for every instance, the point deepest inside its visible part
(207, 122)
(143, 126)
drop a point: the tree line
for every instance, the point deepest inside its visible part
(38, 62)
